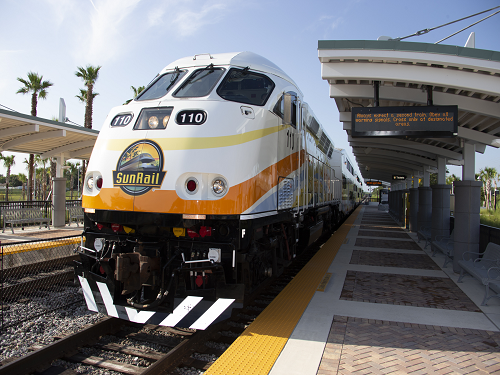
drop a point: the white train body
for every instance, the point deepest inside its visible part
(203, 186)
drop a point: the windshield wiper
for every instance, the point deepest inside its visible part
(174, 78)
(211, 67)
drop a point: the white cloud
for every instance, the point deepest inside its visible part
(322, 18)
(109, 25)
(108, 28)
(61, 10)
(324, 24)
(8, 58)
(336, 23)
(188, 22)
(186, 17)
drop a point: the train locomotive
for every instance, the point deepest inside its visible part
(204, 186)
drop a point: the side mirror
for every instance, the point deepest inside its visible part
(287, 109)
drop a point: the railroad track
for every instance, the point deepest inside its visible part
(154, 349)
(229, 330)
(103, 344)
(111, 343)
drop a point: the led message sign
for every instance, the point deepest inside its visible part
(373, 183)
(415, 122)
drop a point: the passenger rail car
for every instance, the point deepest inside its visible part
(204, 186)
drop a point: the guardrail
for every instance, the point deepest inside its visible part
(487, 234)
(46, 207)
(35, 278)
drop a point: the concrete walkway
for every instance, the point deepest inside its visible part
(389, 307)
(33, 233)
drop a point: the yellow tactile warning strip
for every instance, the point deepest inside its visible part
(21, 248)
(257, 349)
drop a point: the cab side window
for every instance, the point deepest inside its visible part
(243, 86)
(279, 108)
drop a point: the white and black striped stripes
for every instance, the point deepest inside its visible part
(191, 312)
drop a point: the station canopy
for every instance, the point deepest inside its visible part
(390, 73)
(35, 135)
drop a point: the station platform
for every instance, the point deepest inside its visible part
(372, 300)
(35, 244)
(34, 232)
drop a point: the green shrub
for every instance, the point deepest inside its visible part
(490, 217)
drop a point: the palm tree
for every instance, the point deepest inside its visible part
(136, 91)
(38, 88)
(43, 185)
(495, 180)
(83, 95)
(38, 186)
(22, 177)
(72, 171)
(482, 177)
(450, 180)
(487, 175)
(8, 162)
(29, 182)
(89, 76)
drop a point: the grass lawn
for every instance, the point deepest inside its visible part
(490, 217)
(17, 195)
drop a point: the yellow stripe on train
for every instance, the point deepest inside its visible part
(175, 144)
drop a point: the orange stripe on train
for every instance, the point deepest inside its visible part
(238, 199)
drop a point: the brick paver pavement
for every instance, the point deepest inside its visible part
(377, 222)
(392, 228)
(378, 233)
(387, 244)
(418, 291)
(363, 346)
(366, 346)
(386, 259)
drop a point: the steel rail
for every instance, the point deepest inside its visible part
(42, 358)
(177, 355)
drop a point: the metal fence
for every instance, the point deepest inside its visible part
(487, 234)
(36, 277)
(45, 206)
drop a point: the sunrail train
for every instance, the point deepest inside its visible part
(202, 187)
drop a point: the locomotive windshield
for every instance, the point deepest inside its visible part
(162, 85)
(200, 83)
(243, 86)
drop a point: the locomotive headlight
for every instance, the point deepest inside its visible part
(90, 183)
(219, 186)
(202, 186)
(153, 118)
(153, 122)
(93, 182)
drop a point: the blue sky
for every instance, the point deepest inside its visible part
(134, 39)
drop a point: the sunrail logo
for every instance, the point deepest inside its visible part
(139, 168)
